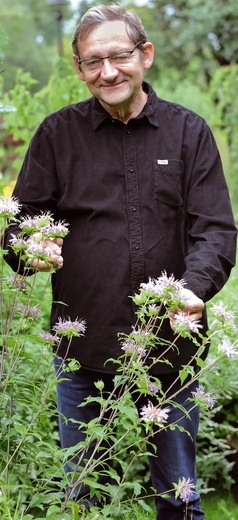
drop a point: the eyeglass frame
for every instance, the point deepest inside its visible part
(110, 55)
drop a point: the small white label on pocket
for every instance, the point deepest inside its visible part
(162, 161)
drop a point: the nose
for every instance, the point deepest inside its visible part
(108, 70)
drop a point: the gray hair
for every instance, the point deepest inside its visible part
(109, 13)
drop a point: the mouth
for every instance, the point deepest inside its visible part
(112, 86)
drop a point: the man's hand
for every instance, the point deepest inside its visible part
(193, 306)
(55, 258)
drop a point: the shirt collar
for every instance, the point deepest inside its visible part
(150, 110)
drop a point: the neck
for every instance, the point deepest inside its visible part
(125, 112)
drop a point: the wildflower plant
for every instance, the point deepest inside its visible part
(32, 477)
(27, 398)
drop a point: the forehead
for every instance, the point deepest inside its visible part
(107, 36)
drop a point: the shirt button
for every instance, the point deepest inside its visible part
(136, 247)
(133, 208)
(128, 132)
(131, 170)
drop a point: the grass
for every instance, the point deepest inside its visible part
(220, 508)
(216, 507)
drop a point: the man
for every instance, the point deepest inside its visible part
(140, 182)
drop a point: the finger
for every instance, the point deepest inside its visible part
(59, 241)
(54, 261)
(197, 307)
(53, 249)
(195, 316)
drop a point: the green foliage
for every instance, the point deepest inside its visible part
(184, 34)
(223, 90)
(187, 94)
(215, 454)
(63, 88)
(32, 30)
(216, 507)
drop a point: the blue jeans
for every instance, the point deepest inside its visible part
(175, 449)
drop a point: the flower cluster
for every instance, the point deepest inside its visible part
(16, 282)
(31, 248)
(228, 349)
(29, 311)
(67, 327)
(18, 243)
(131, 348)
(154, 414)
(152, 387)
(9, 207)
(36, 231)
(43, 224)
(224, 316)
(51, 339)
(166, 288)
(184, 324)
(203, 397)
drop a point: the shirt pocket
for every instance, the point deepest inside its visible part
(168, 181)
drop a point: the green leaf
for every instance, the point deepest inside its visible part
(145, 506)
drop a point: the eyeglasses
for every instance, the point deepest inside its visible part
(116, 59)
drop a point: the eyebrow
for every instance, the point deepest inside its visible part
(100, 57)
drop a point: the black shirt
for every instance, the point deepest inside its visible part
(140, 198)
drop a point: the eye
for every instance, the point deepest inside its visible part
(93, 63)
(123, 56)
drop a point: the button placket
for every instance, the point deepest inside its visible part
(134, 222)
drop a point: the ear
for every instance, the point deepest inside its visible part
(77, 68)
(148, 49)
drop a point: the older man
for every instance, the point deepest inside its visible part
(140, 181)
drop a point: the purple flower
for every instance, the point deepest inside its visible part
(67, 327)
(28, 225)
(9, 207)
(164, 286)
(152, 387)
(154, 414)
(16, 282)
(184, 489)
(184, 324)
(43, 226)
(36, 249)
(29, 311)
(228, 349)
(225, 316)
(18, 243)
(36, 223)
(57, 229)
(52, 339)
(131, 348)
(203, 397)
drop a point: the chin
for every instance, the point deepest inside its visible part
(116, 99)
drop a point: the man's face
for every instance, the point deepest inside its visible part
(115, 85)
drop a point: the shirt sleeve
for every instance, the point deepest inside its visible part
(211, 231)
(37, 188)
